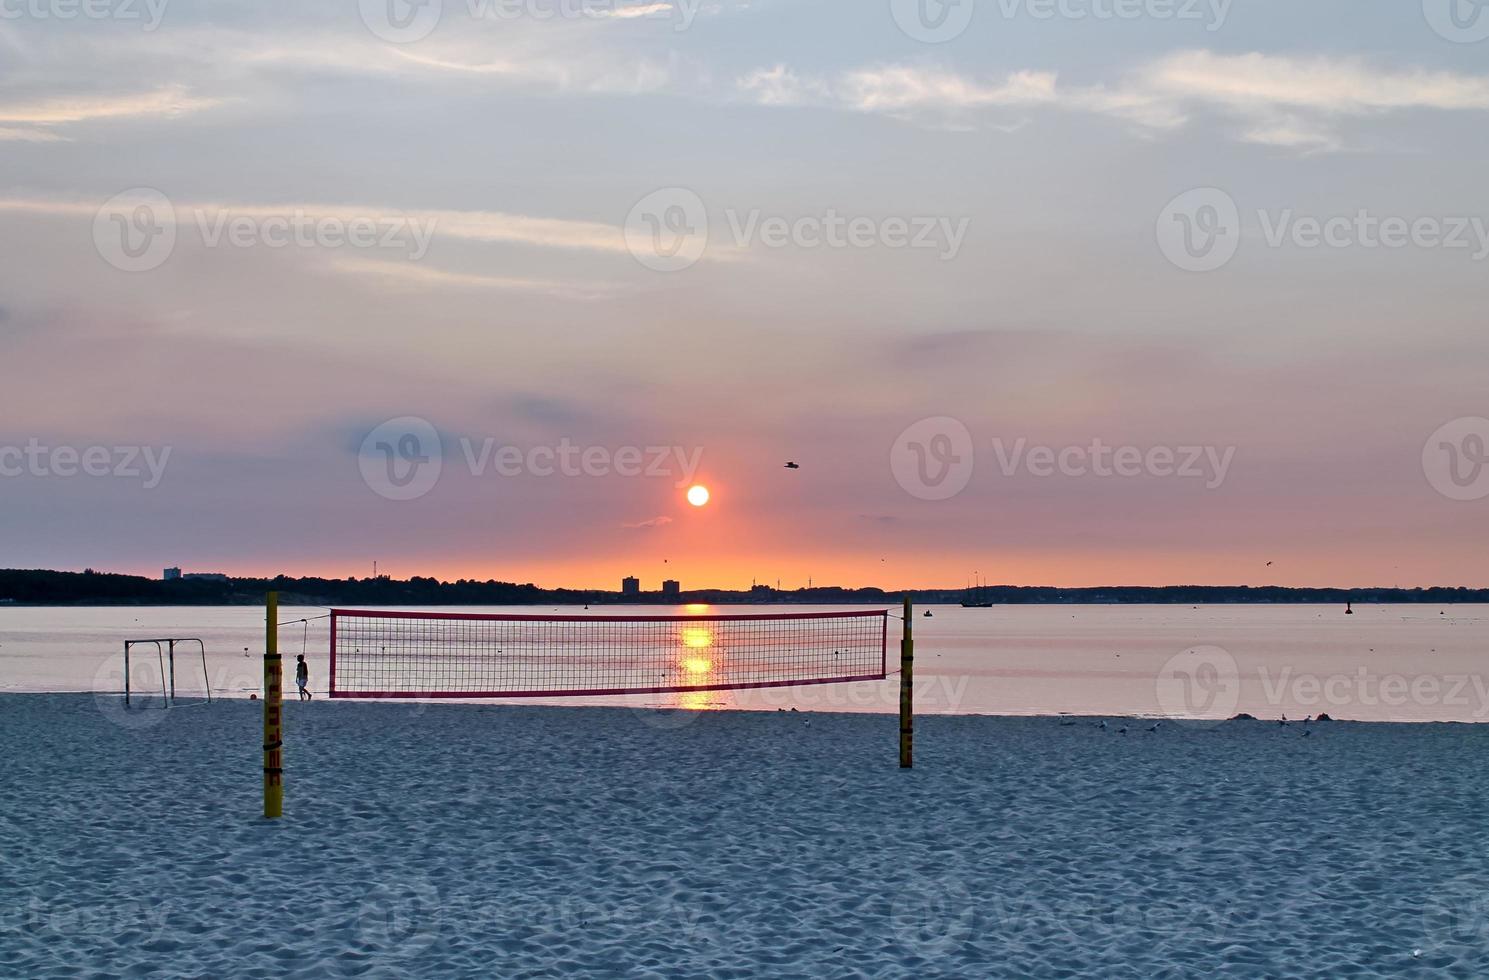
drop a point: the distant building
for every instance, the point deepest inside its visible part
(630, 585)
(171, 574)
(671, 589)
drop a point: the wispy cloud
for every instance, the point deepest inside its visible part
(478, 226)
(57, 110)
(405, 276)
(1273, 99)
(654, 522)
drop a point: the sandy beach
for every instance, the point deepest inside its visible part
(501, 840)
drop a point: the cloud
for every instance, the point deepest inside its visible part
(478, 226)
(654, 522)
(30, 135)
(411, 275)
(161, 103)
(1276, 100)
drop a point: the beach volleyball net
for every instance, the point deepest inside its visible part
(473, 655)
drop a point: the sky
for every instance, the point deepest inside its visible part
(1087, 292)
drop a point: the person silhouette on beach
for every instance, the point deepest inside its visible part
(302, 677)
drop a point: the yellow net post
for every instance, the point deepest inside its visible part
(907, 689)
(273, 706)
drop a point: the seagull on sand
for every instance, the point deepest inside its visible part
(1122, 730)
(1154, 726)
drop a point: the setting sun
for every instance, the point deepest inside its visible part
(698, 495)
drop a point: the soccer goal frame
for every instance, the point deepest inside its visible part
(166, 657)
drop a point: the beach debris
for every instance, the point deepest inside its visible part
(1307, 732)
(1323, 716)
(1154, 726)
(1282, 720)
(1101, 724)
(1243, 716)
(1122, 730)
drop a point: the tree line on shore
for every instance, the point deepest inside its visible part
(43, 587)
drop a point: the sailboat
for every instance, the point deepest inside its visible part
(973, 598)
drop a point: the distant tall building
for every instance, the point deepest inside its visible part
(671, 589)
(171, 574)
(630, 585)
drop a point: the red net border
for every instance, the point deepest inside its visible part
(336, 614)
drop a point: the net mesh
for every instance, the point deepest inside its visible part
(418, 655)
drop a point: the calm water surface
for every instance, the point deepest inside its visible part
(1385, 663)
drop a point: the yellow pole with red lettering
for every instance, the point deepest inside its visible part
(273, 707)
(907, 688)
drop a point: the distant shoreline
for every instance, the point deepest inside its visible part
(39, 587)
